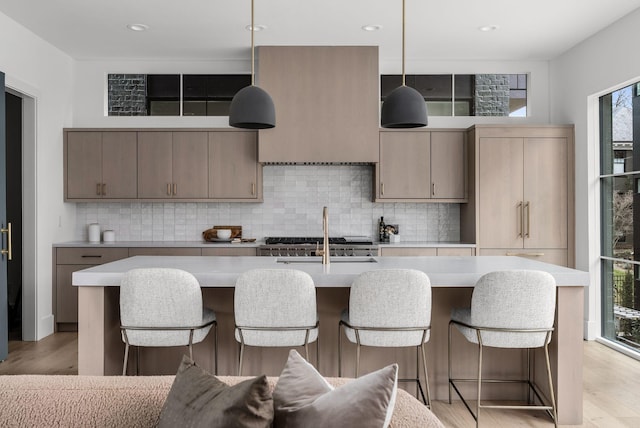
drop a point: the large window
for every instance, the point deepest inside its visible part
(620, 214)
(465, 94)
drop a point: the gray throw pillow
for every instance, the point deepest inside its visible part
(198, 399)
(303, 398)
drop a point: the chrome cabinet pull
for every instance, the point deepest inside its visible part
(8, 251)
(433, 191)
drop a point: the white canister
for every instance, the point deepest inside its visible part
(94, 232)
(109, 236)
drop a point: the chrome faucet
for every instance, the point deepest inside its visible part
(325, 236)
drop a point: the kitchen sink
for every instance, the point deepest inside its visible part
(314, 260)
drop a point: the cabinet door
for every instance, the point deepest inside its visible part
(67, 294)
(545, 192)
(119, 165)
(501, 192)
(404, 165)
(155, 177)
(84, 165)
(164, 251)
(448, 178)
(190, 163)
(407, 251)
(554, 256)
(233, 165)
(226, 251)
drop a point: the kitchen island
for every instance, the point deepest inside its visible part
(100, 348)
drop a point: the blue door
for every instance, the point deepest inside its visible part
(6, 243)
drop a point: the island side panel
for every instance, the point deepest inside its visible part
(91, 321)
(567, 354)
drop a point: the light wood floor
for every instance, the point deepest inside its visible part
(611, 385)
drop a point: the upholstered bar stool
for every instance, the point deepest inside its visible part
(275, 308)
(389, 308)
(509, 309)
(163, 307)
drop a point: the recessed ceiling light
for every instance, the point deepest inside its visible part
(371, 27)
(258, 27)
(486, 28)
(138, 27)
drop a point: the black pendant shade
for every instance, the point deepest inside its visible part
(252, 108)
(404, 107)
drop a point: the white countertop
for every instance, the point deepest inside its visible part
(204, 244)
(223, 271)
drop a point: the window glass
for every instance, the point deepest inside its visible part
(466, 94)
(620, 220)
(160, 94)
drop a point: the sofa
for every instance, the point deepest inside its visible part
(115, 401)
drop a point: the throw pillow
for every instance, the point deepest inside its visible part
(197, 399)
(303, 398)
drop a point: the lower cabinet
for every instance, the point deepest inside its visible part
(426, 251)
(69, 260)
(65, 262)
(547, 255)
(229, 251)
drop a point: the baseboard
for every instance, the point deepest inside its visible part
(591, 329)
(45, 327)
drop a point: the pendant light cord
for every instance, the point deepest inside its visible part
(403, 78)
(252, 48)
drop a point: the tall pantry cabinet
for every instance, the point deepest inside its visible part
(523, 202)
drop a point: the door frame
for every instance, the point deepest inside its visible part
(29, 205)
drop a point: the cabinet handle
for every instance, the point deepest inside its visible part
(381, 189)
(253, 189)
(433, 190)
(528, 208)
(175, 189)
(8, 251)
(169, 189)
(90, 256)
(104, 189)
(98, 189)
(526, 254)
(520, 215)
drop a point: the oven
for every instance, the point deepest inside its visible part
(309, 246)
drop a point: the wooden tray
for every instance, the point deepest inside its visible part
(212, 234)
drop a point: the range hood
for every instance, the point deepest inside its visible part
(327, 102)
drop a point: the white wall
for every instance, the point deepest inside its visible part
(595, 66)
(34, 67)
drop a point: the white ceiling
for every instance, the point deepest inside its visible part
(215, 29)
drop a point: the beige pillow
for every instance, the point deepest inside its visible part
(198, 399)
(303, 398)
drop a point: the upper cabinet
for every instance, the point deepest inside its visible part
(327, 102)
(100, 165)
(422, 166)
(162, 165)
(234, 172)
(173, 165)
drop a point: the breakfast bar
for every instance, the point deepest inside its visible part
(100, 348)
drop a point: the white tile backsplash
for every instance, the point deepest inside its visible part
(293, 199)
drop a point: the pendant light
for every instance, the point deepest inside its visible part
(252, 107)
(404, 107)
